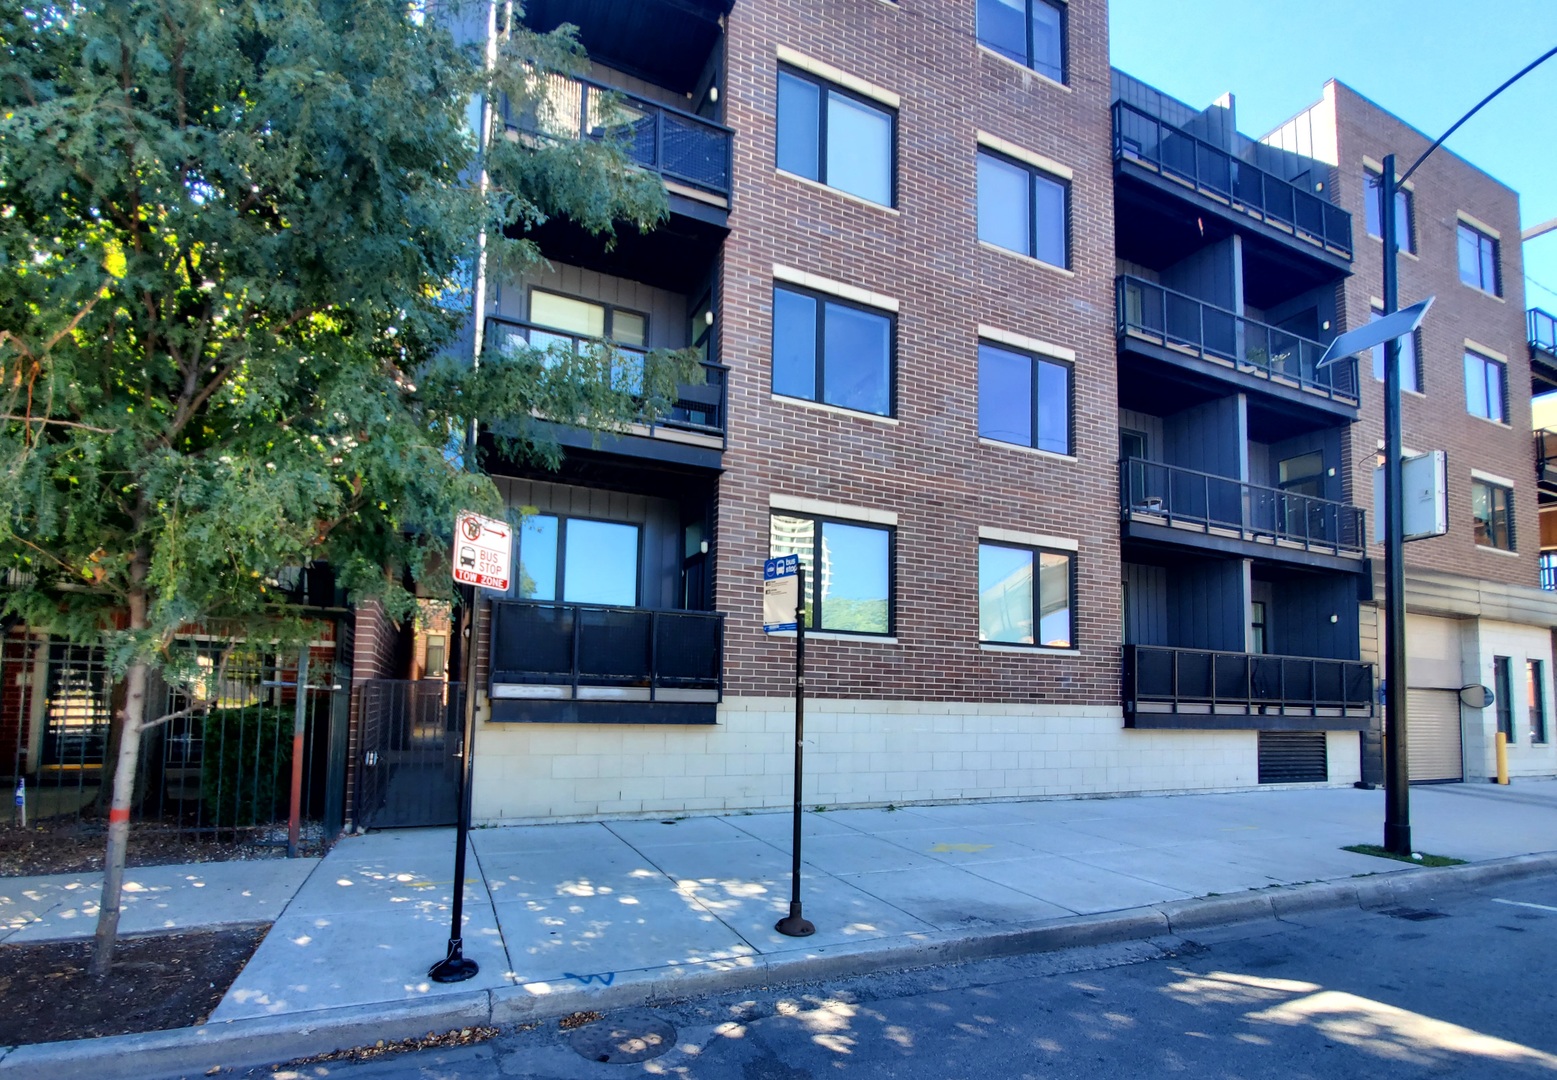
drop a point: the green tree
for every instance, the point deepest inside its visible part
(238, 242)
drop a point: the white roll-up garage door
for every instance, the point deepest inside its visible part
(1433, 744)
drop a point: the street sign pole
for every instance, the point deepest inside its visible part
(794, 924)
(482, 558)
(456, 966)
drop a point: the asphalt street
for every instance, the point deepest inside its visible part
(1461, 984)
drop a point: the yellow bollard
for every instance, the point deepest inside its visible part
(1502, 751)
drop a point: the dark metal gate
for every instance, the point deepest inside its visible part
(1293, 757)
(409, 768)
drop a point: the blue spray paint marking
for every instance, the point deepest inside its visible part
(605, 980)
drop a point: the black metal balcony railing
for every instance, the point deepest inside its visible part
(699, 409)
(587, 652)
(1543, 330)
(1159, 679)
(1178, 321)
(1154, 493)
(677, 145)
(1214, 172)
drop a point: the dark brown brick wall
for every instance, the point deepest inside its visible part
(930, 468)
(1438, 419)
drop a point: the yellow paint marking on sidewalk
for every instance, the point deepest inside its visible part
(966, 849)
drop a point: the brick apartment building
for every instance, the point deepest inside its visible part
(1476, 612)
(1019, 356)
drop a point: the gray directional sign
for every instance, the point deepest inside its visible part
(1397, 324)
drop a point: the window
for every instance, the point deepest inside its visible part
(1025, 596)
(1257, 627)
(585, 319)
(1031, 32)
(1503, 692)
(1486, 387)
(578, 561)
(1374, 197)
(1024, 399)
(1479, 260)
(830, 351)
(437, 650)
(1536, 672)
(848, 570)
(1023, 210)
(1492, 507)
(835, 138)
(1409, 358)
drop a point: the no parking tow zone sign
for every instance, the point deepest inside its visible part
(483, 551)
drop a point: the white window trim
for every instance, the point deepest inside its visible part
(1026, 344)
(1024, 650)
(839, 289)
(823, 70)
(1027, 157)
(848, 195)
(1493, 478)
(1486, 353)
(1479, 225)
(841, 511)
(1021, 449)
(987, 246)
(1378, 167)
(1025, 70)
(836, 410)
(1027, 539)
(833, 635)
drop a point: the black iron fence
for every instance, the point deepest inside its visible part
(699, 409)
(1178, 321)
(233, 770)
(677, 145)
(585, 651)
(1543, 330)
(1201, 680)
(1154, 493)
(1143, 138)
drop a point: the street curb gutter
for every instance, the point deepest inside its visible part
(263, 1040)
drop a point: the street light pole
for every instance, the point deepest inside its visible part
(1397, 798)
(1397, 778)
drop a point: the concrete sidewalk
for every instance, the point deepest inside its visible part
(559, 916)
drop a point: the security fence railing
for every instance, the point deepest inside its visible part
(225, 772)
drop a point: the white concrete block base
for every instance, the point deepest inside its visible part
(857, 753)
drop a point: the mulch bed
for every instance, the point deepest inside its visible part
(77, 847)
(158, 982)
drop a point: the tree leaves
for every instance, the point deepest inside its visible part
(235, 252)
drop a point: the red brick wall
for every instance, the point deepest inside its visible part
(1437, 419)
(930, 468)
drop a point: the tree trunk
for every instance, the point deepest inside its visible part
(134, 717)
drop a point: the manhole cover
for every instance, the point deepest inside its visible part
(624, 1039)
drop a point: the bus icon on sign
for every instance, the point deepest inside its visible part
(468, 556)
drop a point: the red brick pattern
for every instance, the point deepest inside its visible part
(929, 468)
(1437, 419)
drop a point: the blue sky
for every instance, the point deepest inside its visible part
(1427, 61)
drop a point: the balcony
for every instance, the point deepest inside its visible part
(1184, 507)
(1147, 142)
(1199, 688)
(583, 663)
(1546, 462)
(690, 153)
(695, 420)
(1213, 343)
(1543, 350)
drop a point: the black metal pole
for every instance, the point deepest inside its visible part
(1397, 777)
(794, 924)
(456, 967)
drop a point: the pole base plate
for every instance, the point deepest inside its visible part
(455, 967)
(793, 925)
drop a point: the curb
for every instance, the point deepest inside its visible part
(262, 1041)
